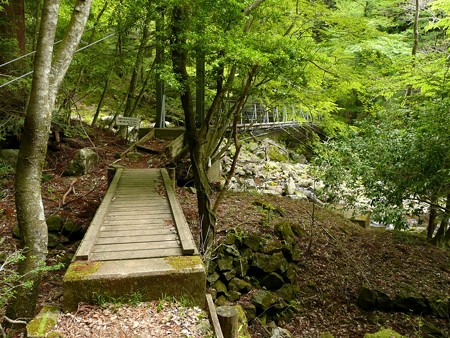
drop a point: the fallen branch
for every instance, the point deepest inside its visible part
(15, 321)
(71, 188)
(88, 193)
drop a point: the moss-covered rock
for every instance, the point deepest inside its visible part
(237, 284)
(385, 333)
(42, 324)
(252, 241)
(225, 263)
(220, 287)
(243, 323)
(55, 223)
(263, 299)
(284, 230)
(73, 230)
(270, 263)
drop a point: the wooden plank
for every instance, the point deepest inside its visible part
(137, 208)
(136, 239)
(83, 251)
(140, 222)
(114, 215)
(141, 226)
(122, 255)
(213, 316)
(187, 242)
(125, 233)
(136, 246)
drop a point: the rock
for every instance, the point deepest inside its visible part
(225, 263)
(289, 188)
(250, 311)
(230, 238)
(270, 263)
(243, 323)
(272, 281)
(229, 275)
(372, 299)
(326, 335)
(385, 333)
(409, 301)
(272, 246)
(9, 157)
(277, 154)
(232, 250)
(213, 277)
(264, 299)
(284, 230)
(233, 296)
(279, 332)
(43, 323)
(55, 223)
(237, 284)
(287, 292)
(252, 241)
(221, 300)
(299, 158)
(72, 229)
(83, 161)
(220, 287)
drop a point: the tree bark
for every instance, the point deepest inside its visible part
(47, 78)
(30, 210)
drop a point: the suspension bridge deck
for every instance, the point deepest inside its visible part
(138, 242)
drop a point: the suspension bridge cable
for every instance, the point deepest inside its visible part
(31, 72)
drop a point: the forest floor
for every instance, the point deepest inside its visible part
(338, 256)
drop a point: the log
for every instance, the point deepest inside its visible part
(228, 319)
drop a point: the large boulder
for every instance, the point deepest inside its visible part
(83, 161)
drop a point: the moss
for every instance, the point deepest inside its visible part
(183, 262)
(276, 155)
(386, 333)
(43, 322)
(81, 269)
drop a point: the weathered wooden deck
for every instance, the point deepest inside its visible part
(139, 217)
(138, 242)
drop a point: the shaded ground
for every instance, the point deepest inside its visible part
(338, 256)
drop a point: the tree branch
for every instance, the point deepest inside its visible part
(252, 7)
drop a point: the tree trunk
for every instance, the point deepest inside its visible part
(432, 219)
(442, 235)
(30, 210)
(129, 103)
(100, 102)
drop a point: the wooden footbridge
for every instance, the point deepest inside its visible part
(138, 243)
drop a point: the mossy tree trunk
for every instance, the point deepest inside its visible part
(48, 74)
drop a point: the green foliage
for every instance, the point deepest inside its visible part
(11, 280)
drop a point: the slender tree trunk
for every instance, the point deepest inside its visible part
(47, 78)
(129, 103)
(30, 210)
(442, 233)
(432, 219)
(100, 102)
